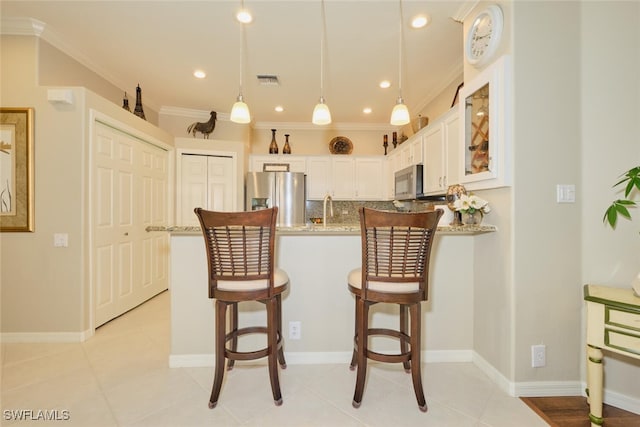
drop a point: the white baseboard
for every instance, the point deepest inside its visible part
(45, 337)
(317, 358)
(621, 401)
(552, 388)
(548, 388)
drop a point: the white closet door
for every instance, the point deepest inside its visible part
(206, 182)
(155, 244)
(219, 183)
(129, 190)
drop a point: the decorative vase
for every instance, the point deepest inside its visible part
(635, 285)
(287, 148)
(273, 147)
(472, 218)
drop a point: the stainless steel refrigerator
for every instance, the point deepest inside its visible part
(286, 190)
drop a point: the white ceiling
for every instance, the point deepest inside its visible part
(159, 44)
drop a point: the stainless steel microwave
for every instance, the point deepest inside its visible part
(408, 183)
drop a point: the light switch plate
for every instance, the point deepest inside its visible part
(60, 240)
(566, 193)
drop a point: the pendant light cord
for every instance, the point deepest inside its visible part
(400, 52)
(322, 36)
(241, 53)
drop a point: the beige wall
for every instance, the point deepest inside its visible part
(43, 288)
(610, 113)
(56, 68)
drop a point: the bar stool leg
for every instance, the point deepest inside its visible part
(404, 329)
(221, 336)
(283, 362)
(272, 333)
(416, 374)
(354, 357)
(362, 310)
(233, 327)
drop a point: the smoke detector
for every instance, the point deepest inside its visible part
(268, 80)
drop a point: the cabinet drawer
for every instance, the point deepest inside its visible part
(621, 340)
(622, 319)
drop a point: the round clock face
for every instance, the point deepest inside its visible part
(484, 36)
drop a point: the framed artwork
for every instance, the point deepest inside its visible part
(486, 128)
(16, 169)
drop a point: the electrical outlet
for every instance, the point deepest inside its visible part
(538, 356)
(295, 330)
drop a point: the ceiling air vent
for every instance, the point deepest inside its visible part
(268, 80)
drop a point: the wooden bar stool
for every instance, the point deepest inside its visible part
(396, 249)
(240, 255)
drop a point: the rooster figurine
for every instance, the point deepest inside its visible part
(204, 128)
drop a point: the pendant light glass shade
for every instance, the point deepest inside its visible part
(240, 112)
(321, 113)
(400, 114)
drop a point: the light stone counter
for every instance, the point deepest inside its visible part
(334, 229)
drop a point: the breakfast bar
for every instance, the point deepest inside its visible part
(318, 259)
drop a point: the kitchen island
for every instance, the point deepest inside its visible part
(318, 259)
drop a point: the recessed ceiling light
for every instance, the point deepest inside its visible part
(420, 21)
(199, 74)
(385, 84)
(279, 108)
(367, 110)
(244, 16)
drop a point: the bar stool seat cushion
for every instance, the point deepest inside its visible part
(355, 279)
(280, 278)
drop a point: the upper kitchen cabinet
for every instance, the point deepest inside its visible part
(485, 118)
(278, 162)
(439, 138)
(411, 151)
(346, 177)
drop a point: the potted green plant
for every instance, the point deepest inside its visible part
(631, 180)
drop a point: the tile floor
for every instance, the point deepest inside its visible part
(120, 377)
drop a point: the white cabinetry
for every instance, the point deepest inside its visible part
(294, 163)
(318, 177)
(438, 137)
(411, 151)
(370, 174)
(345, 178)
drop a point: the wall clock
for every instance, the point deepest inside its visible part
(484, 36)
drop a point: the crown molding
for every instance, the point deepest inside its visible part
(33, 27)
(204, 114)
(192, 113)
(464, 10)
(21, 27)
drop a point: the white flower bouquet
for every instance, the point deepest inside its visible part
(470, 204)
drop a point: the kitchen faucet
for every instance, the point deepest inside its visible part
(324, 209)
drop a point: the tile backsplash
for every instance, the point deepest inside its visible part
(346, 211)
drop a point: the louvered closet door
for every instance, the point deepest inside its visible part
(129, 190)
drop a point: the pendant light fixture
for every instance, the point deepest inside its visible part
(240, 111)
(400, 113)
(321, 113)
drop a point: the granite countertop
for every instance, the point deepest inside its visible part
(331, 229)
